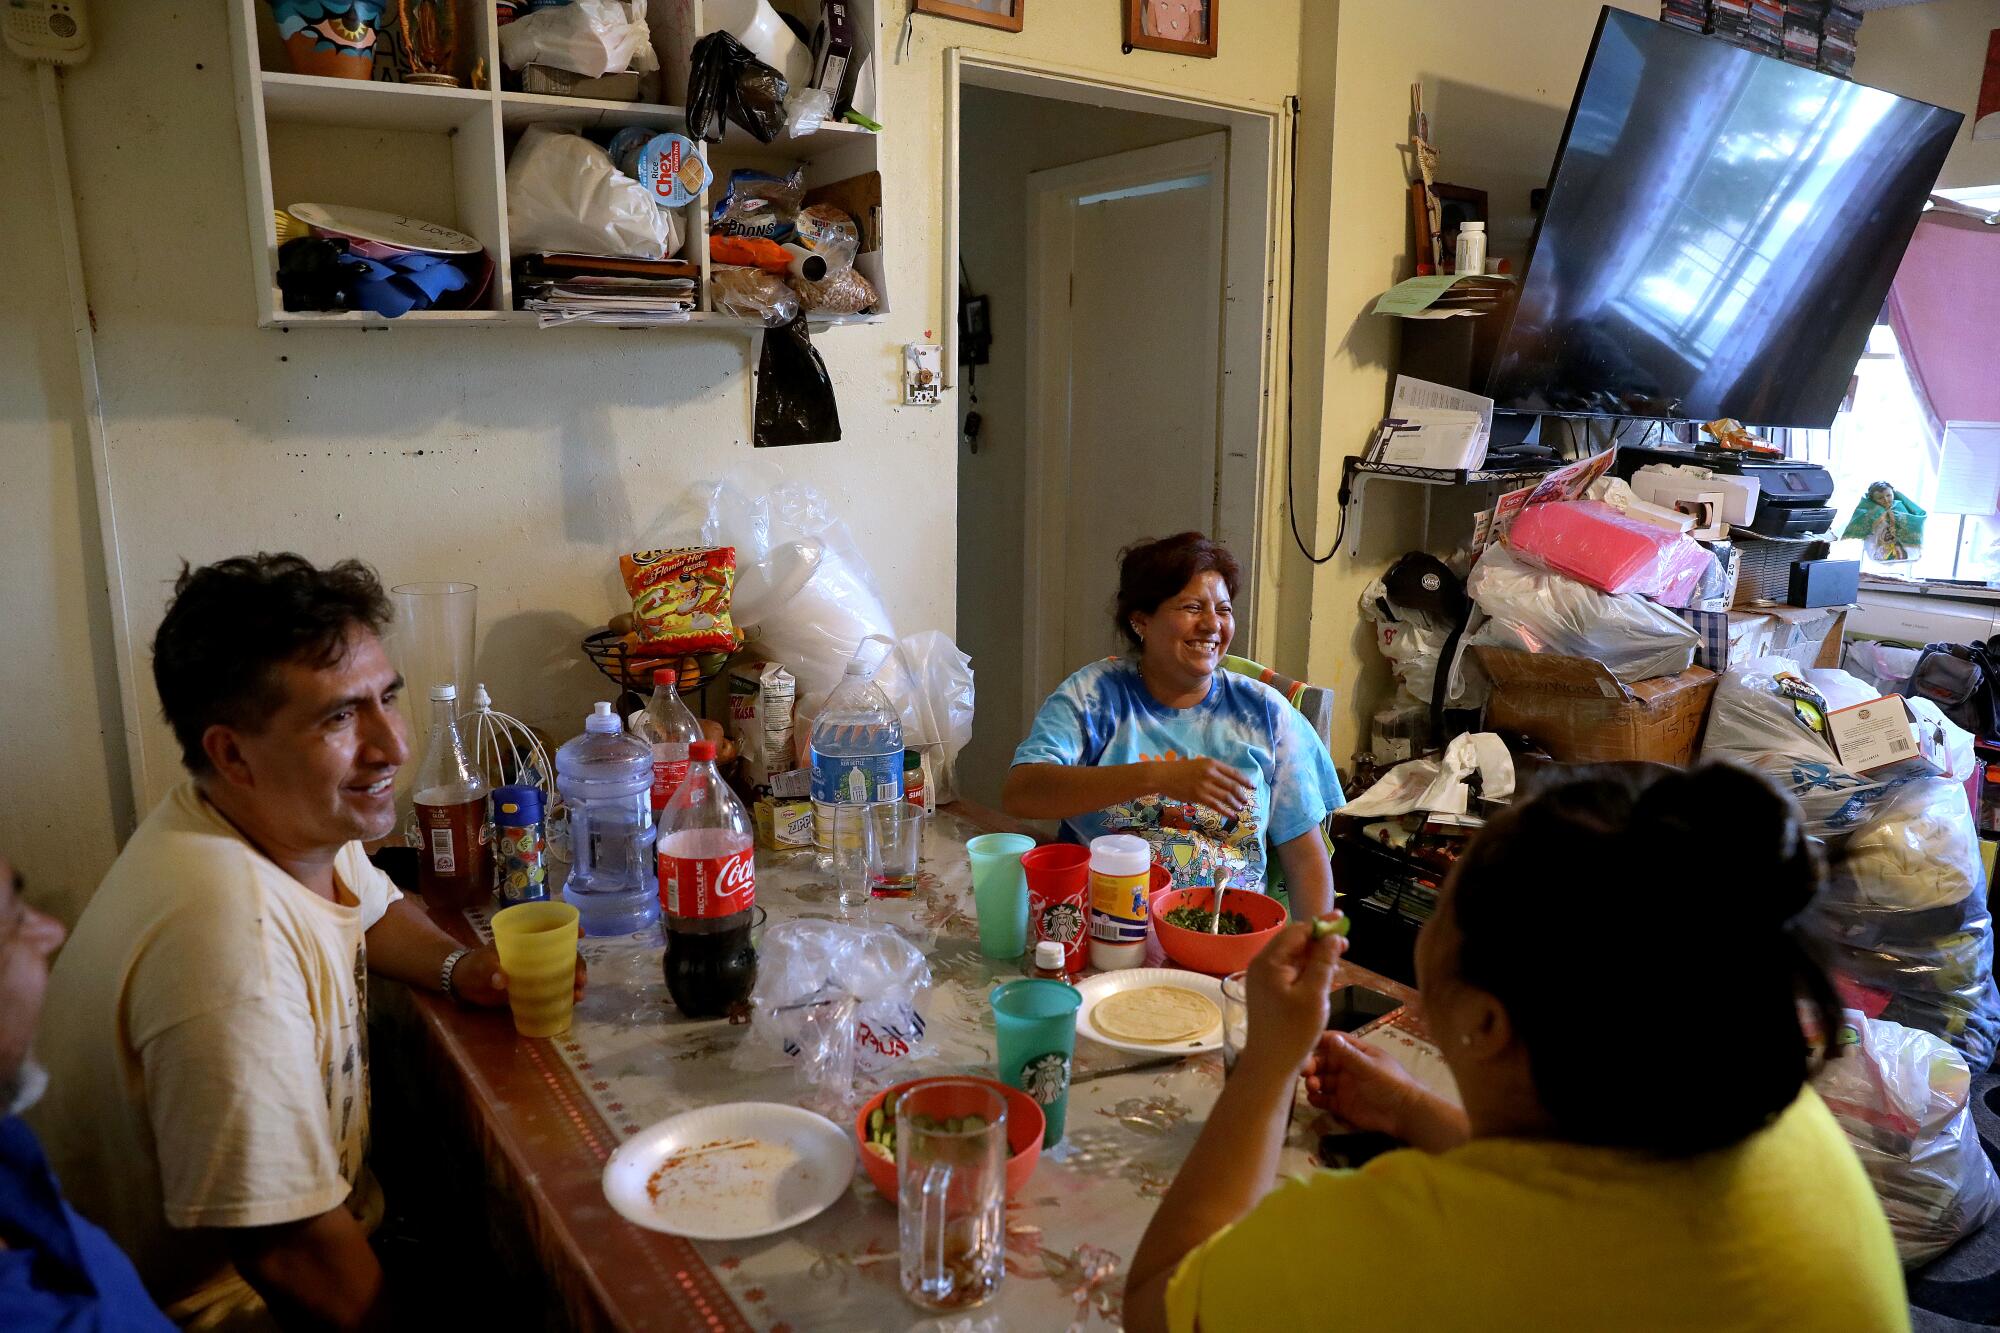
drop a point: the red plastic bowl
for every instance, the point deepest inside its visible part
(1217, 955)
(1025, 1126)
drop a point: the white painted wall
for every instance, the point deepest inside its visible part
(521, 461)
(1004, 137)
(1935, 52)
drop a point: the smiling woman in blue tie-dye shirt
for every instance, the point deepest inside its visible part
(1215, 770)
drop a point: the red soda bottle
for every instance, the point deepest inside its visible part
(708, 886)
(670, 729)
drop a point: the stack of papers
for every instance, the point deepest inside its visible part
(1434, 426)
(1444, 296)
(627, 301)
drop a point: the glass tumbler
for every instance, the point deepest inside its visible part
(951, 1167)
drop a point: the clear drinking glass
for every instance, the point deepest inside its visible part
(851, 843)
(951, 1166)
(895, 847)
(1235, 1018)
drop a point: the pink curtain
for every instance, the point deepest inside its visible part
(1945, 308)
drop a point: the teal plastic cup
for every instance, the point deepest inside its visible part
(1035, 1021)
(1000, 892)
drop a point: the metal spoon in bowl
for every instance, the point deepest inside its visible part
(1215, 917)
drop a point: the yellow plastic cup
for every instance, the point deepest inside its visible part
(537, 944)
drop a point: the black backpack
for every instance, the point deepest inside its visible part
(1963, 679)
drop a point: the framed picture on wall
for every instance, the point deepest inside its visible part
(1006, 15)
(1178, 27)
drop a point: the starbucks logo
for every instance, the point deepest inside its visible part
(1046, 1077)
(1063, 922)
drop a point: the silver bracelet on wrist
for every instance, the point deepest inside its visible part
(451, 962)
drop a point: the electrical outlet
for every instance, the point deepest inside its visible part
(923, 374)
(53, 31)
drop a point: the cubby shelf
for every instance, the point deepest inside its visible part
(440, 154)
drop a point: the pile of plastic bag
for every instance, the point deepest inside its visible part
(588, 37)
(1903, 918)
(808, 600)
(1903, 1098)
(1537, 610)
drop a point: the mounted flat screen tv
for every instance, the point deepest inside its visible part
(1720, 230)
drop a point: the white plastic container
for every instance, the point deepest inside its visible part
(1120, 868)
(1471, 253)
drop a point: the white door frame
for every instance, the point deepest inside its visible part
(1051, 232)
(1256, 295)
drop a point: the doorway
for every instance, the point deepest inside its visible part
(1120, 247)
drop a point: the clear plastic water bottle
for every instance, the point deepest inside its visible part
(606, 779)
(857, 751)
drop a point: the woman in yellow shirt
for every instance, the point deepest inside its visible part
(1614, 975)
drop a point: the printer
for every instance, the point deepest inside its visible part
(1792, 495)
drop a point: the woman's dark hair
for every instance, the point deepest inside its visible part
(1151, 571)
(232, 623)
(1639, 927)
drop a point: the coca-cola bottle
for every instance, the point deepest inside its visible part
(669, 728)
(453, 866)
(708, 886)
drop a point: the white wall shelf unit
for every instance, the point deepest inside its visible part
(440, 154)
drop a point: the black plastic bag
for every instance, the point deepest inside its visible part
(727, 82)
(794, 393)
(313, 274)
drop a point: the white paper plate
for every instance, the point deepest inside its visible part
(801, 1163)
(1094, 989)
(386, 228)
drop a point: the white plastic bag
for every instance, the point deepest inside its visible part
(840, 1005)
(941, 697)
(1412, 641)
(1902, 1096)
(1882, 665)
(1540, 611)
(563, 193)
(589, 37)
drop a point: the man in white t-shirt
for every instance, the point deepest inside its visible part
(207, 1024)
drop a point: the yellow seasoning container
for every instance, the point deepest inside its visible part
(1120, 866)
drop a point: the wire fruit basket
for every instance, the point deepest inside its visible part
(612, 654)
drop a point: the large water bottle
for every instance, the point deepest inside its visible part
(857, 751)
(606, 779)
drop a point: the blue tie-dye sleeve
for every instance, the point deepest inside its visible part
(1305, 789)
(1060, 734)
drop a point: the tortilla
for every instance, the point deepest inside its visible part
(1155, 1014)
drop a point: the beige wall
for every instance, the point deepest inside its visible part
(1935, 52)
(521, 461)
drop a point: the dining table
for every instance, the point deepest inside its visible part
(545, 1115)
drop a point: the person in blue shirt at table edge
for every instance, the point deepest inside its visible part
(57, 1271)
(1210, 767)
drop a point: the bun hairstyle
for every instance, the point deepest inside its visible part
(1639, 927)
(1149, 572)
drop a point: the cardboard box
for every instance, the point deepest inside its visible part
(1582, 713)
(1885, 738)
(783, 826)
(1809, 638)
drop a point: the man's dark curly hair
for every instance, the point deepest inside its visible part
(233, 623)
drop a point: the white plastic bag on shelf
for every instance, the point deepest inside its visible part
(1540, 611)
(1903, 1099)
(563, 193)
(841, 1005)
(1411, 641)
(589, 37)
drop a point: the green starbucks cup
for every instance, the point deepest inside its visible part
(1035, 1022)
(1000, 892)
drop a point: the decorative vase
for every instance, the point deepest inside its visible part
(334, 39)
(428, 30)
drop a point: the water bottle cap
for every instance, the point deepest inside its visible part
(517, 805)
(701, 750)
(602, 720)
(667, 676)
(439, 693)
(857, 667)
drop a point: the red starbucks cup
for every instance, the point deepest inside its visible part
(1059, 898)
